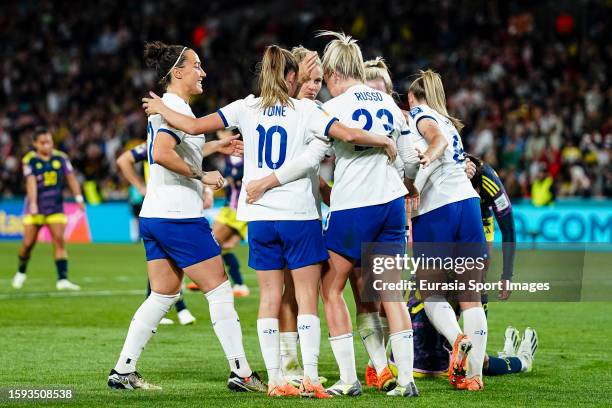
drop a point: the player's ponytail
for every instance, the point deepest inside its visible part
(428, 87)
(163, 59)
(343, 56)
(277, 62)
(377, 69)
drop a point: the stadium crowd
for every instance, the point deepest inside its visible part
(533, 87)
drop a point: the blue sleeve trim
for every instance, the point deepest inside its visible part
(326, 133)
(416, 124)
(424, 117)
(225, 123)
(405, 132)
(171, 133)
(138, 157)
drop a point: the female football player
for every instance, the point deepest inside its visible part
(372, 324)
(284, 227)
(46, 171)
(126, 162)
(367, 205)
(309, 89)
(449, 213)
(177, 238)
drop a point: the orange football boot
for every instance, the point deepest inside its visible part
(471, 384)
(285, 390)
(386, 381)
(370, 376)
(458, 362)
(311, 390)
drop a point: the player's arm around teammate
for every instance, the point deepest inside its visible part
(177, 237)
(214, 121)
(316, 150)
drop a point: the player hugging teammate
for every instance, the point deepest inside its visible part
(383, 156)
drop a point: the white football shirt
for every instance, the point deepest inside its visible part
(272, 137)
(363, 176)
(444, 181)
(169, 194)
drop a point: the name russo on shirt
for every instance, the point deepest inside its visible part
(369, 96)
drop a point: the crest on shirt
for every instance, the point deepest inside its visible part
(56, 164)
(415, 111)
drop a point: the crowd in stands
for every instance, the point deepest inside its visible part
(531, 80)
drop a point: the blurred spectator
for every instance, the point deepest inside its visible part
(542, 188)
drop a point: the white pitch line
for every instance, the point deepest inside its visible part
(92, 293)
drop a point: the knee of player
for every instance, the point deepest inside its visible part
(270, 301)
(27, 246)
(333, 298)
(304, 294)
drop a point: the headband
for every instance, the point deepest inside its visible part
(176, 62)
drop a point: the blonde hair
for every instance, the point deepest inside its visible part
(342, 56)
(301, 52)
(277, 62)
(428, 87)
(377, 69)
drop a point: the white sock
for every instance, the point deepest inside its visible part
(525, 362)
(384, 323)
(290, 364)
(226, 324)
(441, 314)
(143, 326)
(403, 353)
(475, 327)
(309, 328)
(372, 334)
(343, 349)
(269, 342)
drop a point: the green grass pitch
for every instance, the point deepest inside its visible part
(51, 339)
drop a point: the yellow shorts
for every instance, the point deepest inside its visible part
(41, 219)
(489, 228)
(227, 216)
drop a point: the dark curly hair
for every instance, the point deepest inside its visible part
(162, 57)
